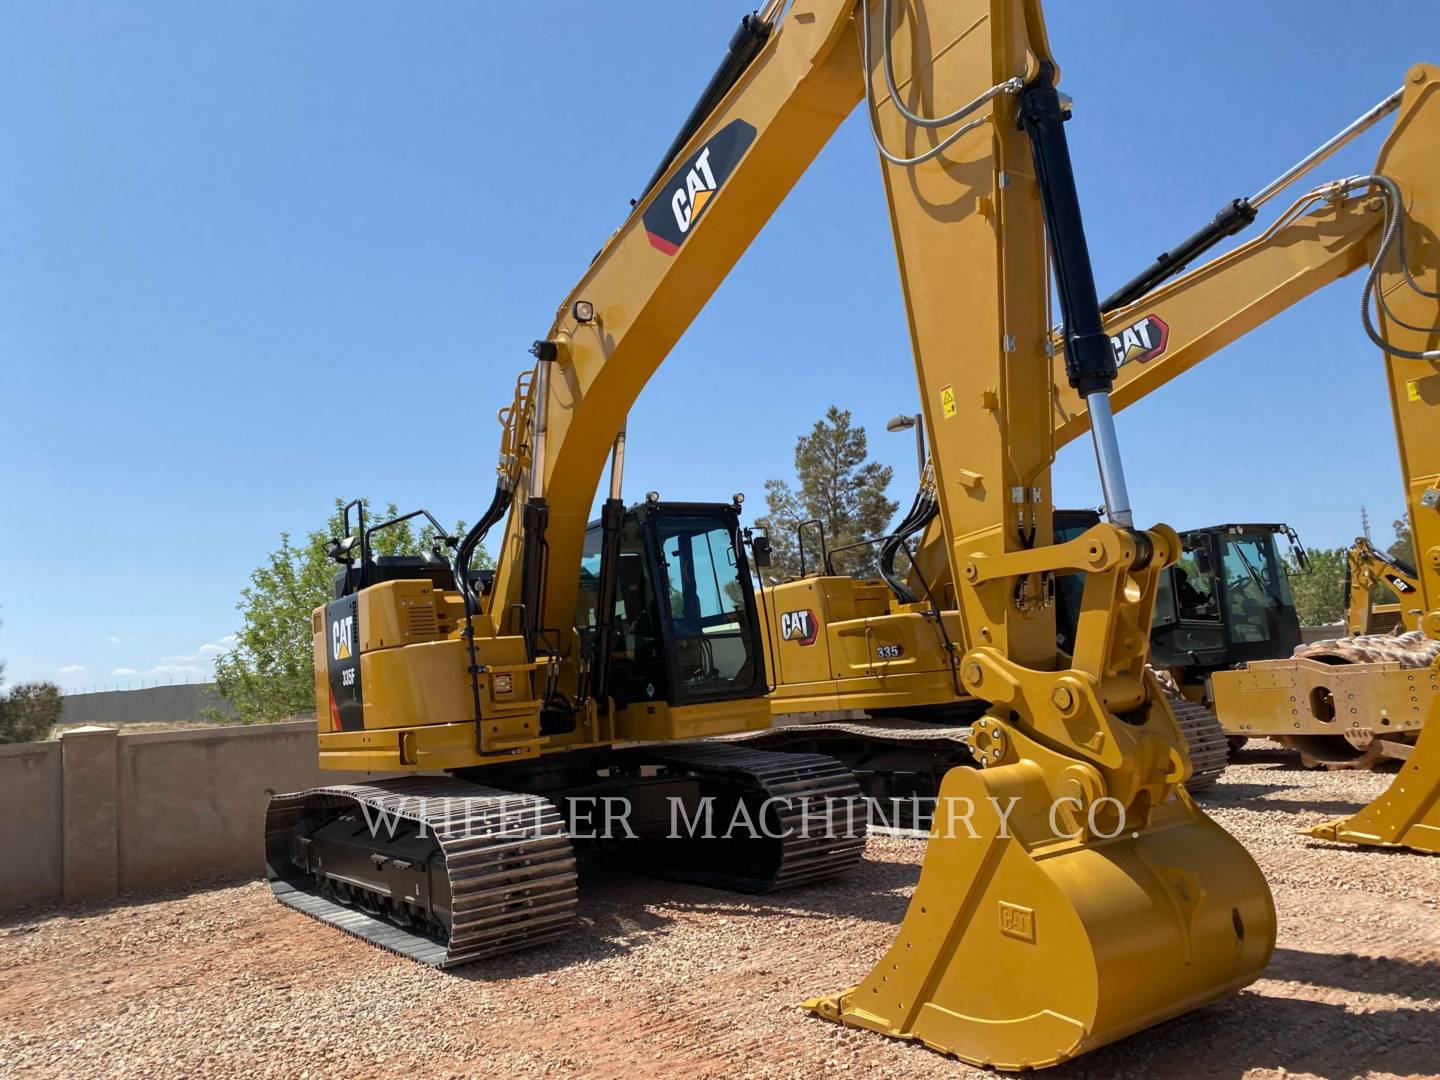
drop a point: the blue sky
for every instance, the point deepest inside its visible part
(249, 252)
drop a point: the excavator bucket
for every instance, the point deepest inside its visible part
(1022, 949)
(1407, 815)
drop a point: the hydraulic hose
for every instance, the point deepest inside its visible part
(499, 504)
(922, 511)
(1394, 231)
(1009, 86)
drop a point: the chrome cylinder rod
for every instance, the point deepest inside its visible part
(617, 465)
(1107, 456)
(1305, 164)
(542, 426)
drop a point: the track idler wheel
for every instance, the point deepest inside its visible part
(1025, 950)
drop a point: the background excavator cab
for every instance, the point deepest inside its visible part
(1227, 600)
(684, 628)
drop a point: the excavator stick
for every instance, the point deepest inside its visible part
(1072, 892)
(1068, 933)
(1407, 815)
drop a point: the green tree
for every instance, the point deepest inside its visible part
(1402, 548)
(839, 487)
(269, 674)
(28, 711)
(1319, 598)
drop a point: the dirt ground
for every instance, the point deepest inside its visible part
(664, 978)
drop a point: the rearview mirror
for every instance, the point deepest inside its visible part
(760, 548)
(1203, 562)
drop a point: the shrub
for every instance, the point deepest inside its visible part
(29, 712)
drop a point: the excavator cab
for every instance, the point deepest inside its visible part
(1227, 600)
(682, 628)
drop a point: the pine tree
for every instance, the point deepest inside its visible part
(840, 488)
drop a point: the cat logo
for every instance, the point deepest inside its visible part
(1140, 342)
(675, 210)
(1400, 585)
(799, 627)
(340, 637)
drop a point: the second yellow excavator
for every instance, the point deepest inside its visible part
(1366, 569)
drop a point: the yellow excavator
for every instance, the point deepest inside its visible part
(572, 687)
(871, 667)
(1366, 568)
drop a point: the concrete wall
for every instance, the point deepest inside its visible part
(99, 813)
(30, 832)
(150, 705)
(192, 803)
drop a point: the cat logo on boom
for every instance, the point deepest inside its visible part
(1141, 341)
(799, 627)
(677, 206)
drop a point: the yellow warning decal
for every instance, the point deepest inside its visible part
(947, 401)
(1412, 390)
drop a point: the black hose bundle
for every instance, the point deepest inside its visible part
(499, 504)
(921, 513)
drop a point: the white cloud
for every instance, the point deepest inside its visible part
(182, 667)
(70, 669)
(167, 670)
(207, 651)
(174, 669)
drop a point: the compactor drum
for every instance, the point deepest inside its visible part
(1343, 703)
(1407, 815)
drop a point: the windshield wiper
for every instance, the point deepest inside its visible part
(1255, 574)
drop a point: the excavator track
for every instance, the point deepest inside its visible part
(926, 751)
(815, 823)
(1209, 748)
(435, 869)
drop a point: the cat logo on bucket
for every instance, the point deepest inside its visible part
(1141, 341)
(799, 627)
(1017, 922)
(677, 207)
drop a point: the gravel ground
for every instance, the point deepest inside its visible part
(225, 982)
